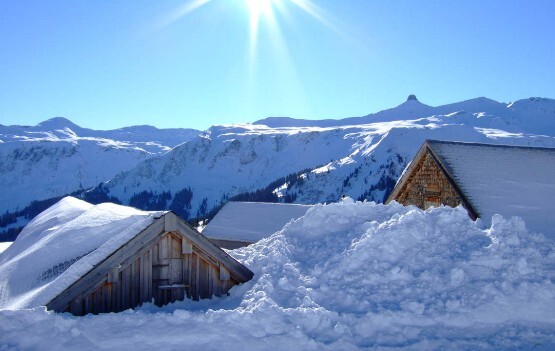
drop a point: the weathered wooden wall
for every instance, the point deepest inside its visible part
(427, 186)
(169, 270)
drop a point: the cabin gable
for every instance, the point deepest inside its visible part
(427, 182)
(427, 186)
(166, 262)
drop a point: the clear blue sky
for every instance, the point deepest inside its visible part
(113, 63)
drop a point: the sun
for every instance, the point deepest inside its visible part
(264, 23)
(265, 16)
(258, 8)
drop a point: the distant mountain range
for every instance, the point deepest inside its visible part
(274, 159)
(57, 157)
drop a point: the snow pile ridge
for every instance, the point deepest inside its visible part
(381, 271)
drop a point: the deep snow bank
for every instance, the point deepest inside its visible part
(345, 277)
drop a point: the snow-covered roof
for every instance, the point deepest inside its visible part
(507, 180)
(252, 221)
(61, 245)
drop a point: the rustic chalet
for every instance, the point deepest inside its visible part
(486, 179)
(149, 256)
(240, 224)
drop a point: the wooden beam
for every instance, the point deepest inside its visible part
(186, 247)
(224, 274)
(173, 286)
(170, 221)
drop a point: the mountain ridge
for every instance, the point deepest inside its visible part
(57, 157)
(408, 109)
(138, 133)
(249, 155)
(304, 164)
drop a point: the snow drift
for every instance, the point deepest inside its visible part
(346, 276)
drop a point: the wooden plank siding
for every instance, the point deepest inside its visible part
(157, 265)
(427, 186)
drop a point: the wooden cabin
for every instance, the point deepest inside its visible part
(240, 224)
(486, 179)
(427, 182)
(166, 262)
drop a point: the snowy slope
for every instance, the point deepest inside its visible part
(62, 244)
(362, 161)
(230, 160)
(346, 277)
(57, 157)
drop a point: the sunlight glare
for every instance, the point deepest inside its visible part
(260, 7)
(267, 15)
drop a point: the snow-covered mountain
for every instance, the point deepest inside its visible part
(283, 159)
(538, 113)
(323, 161)
(57, 157)
(147, 138)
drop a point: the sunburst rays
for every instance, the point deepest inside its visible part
(270, 16)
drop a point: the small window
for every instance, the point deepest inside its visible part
(432, 189)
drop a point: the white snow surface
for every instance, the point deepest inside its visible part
(251, 221)
(61, 245)
(346, 276)
(4, 246)
(512, 181)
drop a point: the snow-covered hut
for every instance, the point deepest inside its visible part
(82, 258)
(240, 224)
(486, 179)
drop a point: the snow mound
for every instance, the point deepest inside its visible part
(396, 261)
(347, 276)
(62, 244)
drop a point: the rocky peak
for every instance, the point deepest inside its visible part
(412, 97)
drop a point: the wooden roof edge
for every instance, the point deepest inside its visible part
(447, 171)
(407, 172)
(100, 269)
(249, 241)
(168, 222)
(237, 269)
(503, 146)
